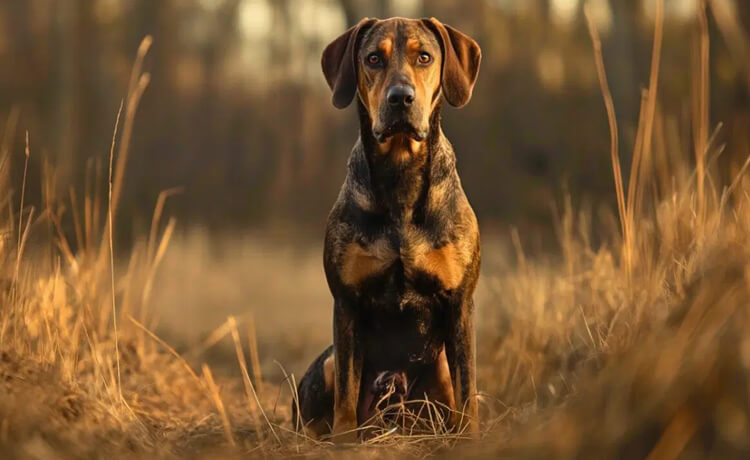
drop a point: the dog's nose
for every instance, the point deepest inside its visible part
(400, 95)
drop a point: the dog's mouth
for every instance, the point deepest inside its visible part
(400, 127)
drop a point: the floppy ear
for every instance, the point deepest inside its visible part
(461, 58)
(339, 66)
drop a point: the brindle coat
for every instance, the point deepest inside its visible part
(402, 244)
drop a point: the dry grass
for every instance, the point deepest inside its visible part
(636, 346)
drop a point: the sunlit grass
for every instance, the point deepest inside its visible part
(632, 340)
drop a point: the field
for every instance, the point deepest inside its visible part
(630, 341)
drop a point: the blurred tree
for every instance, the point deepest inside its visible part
(350, 12)
(238, 113)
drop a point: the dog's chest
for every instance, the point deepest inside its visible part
(410, 255)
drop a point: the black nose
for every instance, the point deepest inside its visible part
(400, 95)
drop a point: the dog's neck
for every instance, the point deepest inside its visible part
(399, 169)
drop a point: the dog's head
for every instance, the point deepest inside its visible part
(399, 67)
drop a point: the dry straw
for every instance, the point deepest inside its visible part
(600, 352)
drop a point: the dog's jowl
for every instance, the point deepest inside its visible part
(402, 244)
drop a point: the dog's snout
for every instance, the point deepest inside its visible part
(400, 95)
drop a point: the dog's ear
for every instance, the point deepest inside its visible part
(461, 58)
(339, 63)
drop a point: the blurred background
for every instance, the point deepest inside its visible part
(238, 116)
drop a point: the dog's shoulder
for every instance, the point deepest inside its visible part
(352, 215)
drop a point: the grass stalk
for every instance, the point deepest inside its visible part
(112, 255)
(613, 135)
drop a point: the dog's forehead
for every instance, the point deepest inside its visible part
(399, 31)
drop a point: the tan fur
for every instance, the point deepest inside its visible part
(386, 46)
(413, 45)
(444, 263)
(329, 372)
(317, 429)
(440, 385)
(401, 148)
(443, 380)
(347, 420)
(359, 263)
(447, 263)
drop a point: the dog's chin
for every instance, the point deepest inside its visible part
(399, 128)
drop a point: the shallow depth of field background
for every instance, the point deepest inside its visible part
(238, 113)
(237, 124)
(238, 116)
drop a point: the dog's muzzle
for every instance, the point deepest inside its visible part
(400, 127)
(399, 114)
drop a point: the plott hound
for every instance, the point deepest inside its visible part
(402, 244)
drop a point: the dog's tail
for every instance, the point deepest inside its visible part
(313, 407)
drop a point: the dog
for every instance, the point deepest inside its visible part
(402, 247)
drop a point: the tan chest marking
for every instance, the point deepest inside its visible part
(447, 263)
(359, 263)
(401, 148)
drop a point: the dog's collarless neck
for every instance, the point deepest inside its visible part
(399, 181)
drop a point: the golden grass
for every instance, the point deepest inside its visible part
(636, 346)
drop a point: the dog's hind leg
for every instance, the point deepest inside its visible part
(315, 392)
(434, 383)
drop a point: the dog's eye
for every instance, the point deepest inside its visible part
(424, 58)
(373, 59)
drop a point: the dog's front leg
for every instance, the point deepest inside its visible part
(461, 352)
(348, 360)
